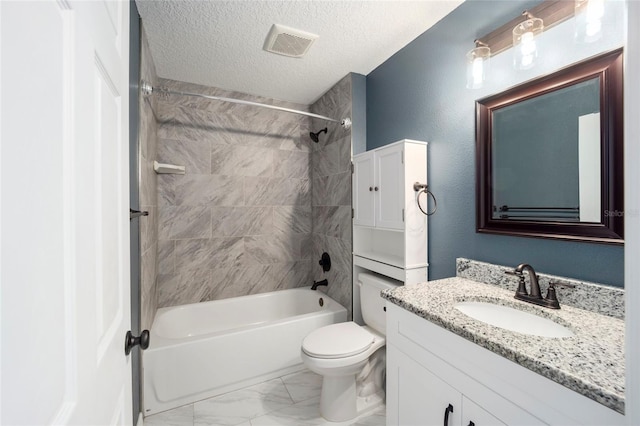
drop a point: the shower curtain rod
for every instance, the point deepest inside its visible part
(148, 89)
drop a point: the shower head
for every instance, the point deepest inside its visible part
(314, 136)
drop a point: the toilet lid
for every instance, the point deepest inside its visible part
(337, 341)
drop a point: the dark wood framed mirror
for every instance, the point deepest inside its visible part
(549, 155)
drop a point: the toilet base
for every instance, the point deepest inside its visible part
(339, 401)
(338, 398)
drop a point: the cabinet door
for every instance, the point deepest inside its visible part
(474, 415)
(415, 396)
(390, 184)
(363, 189)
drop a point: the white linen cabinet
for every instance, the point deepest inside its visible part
(389, 230)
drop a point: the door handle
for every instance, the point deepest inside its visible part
(137, 213)
(447, 411)
(130, 341)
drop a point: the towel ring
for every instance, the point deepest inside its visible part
(424, 188)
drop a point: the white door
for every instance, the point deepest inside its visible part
(363, 189)
(64, 256)
(390, 182)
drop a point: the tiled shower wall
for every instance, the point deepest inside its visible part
(331, 192)
(239, 221)
(244, 219)
(148, 141)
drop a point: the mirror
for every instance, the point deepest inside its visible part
(549, 155)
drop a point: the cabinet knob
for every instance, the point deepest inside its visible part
(471, 423)
(371, 188)
(447, 411)
(375, 189)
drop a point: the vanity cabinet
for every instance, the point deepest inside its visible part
(389, 230)
(423, 398)
(430, 368)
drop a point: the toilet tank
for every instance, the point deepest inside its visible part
(371, 304)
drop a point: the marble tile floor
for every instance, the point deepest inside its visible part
(291, 400)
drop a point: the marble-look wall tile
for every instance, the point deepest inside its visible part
(295, 219)
(180, 222)
(200, 190)
(257, 189)
(332, 190)
(241, 160)
(188, 286)
(147, 186)
(272, 249)
(166, 256)
(333, 158)
(148, 228)
(242, 221)
(331, 194)
(291, 164)
(208, 253)
(195, 156)
(332, 221)
(276, 191)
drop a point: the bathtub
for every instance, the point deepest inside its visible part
(206, 349)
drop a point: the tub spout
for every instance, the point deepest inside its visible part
(317, 284)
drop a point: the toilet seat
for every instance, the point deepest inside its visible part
(339, 340)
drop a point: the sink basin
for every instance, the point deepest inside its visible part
(513, 319)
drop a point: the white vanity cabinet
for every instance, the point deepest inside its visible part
(420, 397)
(429, 368)
(389, 230)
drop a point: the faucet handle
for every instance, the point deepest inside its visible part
(522, 289)
(552, 298)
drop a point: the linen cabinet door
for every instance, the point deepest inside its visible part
(415, 396)
(363, 190)
(389, 188)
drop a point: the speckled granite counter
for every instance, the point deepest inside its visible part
(590, 363)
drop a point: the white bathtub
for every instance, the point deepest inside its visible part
(205, 349)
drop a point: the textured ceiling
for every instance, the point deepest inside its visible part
(219, 43)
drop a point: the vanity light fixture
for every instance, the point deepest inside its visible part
(521, 34)
(525, 50)
(478, 61)
(589, 14)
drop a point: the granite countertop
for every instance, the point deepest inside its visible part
(590, 363)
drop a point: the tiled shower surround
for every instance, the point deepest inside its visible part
(241, 220)
(148, 142)
(331, 192)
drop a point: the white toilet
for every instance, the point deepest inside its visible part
(351, 358)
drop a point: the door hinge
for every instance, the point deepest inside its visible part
(403, 215)
(353, 213)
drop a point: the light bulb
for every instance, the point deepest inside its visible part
(527, 44)
(478, 71)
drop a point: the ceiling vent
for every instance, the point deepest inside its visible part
(288, 41)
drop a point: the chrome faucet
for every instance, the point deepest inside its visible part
(550, 301)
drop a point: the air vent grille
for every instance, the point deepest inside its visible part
(288, 41)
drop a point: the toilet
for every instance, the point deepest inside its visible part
(351, 358)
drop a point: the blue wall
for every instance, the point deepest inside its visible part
(419, 93)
